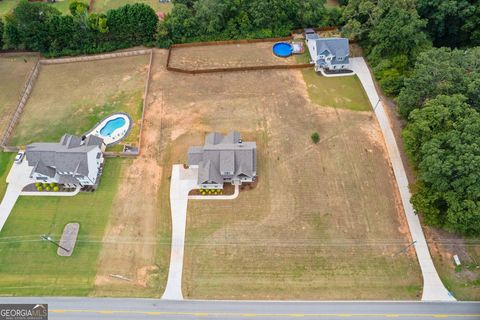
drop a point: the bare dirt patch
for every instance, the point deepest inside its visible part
(131, 242)
(14, 72)
(323, 221)
(228, 55)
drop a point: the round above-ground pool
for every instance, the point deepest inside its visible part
(282, 49)
(113, 128)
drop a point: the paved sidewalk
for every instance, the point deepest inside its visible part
(17, 179)
(433, 288)
(182, 181)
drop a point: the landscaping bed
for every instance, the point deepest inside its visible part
(228, 190)
(47, 187)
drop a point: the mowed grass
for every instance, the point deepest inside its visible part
(14, 72)
(105, 5)
(31, 266)
(6, 6)
(6, 160)
(323, 221)
(464, 280)
(336, 92)
(72, 98)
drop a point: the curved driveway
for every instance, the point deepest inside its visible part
(433, 288)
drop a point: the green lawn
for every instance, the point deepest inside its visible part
(8, 5)
(6, 160)
(337, 92)
(72, 98)
(105, 5)
(30, 266)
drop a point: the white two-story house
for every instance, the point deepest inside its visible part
(73, 162)
(330, 54)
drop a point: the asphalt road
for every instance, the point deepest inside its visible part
(119, 308)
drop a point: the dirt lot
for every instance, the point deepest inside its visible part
(324, 221)
(72, 98)
(229, 55)
(14, 72)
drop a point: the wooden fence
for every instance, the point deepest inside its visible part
(24, 95)
(28, 87)
(230, 69)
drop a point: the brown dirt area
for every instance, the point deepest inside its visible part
(323, 221)
(228, 55)
(14, 72)
(132, 237)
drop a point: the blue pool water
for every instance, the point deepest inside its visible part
(282, 49)
(111, 126)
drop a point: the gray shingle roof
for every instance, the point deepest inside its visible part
(207, 172)
(336, 46)
(222, 154)
(69, 155)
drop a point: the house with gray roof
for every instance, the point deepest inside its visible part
(327, 53)
(74, 161)
(224, 159)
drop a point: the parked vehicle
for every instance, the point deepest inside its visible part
(19, 157)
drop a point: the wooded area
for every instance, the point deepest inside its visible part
(423, 54)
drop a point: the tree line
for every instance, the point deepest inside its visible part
(425, 55)
(204, 20)
(37, 26)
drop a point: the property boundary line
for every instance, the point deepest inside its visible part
(24, 95)
(31, 79)
(231, 69)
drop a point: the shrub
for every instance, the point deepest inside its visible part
(315, 137)
(48, 188)
(55, 188)
(39, 188)
(38, 184)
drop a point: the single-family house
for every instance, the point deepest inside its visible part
(327, 53)
(224, 159)
(74, 161)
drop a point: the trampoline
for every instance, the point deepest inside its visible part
(282, 49)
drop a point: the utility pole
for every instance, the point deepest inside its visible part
(405, 249)
(49, 239)
(376, 104)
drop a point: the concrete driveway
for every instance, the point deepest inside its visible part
(433, 288)
(182, 181)
(17, 179)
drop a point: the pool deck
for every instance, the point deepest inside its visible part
(109, 141)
